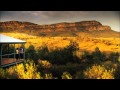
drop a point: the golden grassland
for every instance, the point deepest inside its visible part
(85, 42)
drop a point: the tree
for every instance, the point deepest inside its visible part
(43, 53)
(31, 53)
(97, 56)
(114, 56)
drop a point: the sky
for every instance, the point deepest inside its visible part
(110, 18)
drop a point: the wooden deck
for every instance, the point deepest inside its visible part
(10, 61)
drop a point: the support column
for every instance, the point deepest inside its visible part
(8, 51)
(24, 51)
(14, 52)
(0, 54)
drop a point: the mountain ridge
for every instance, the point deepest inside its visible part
(83, 25)
(70, 28)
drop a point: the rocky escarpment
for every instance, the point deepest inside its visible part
(77, 26)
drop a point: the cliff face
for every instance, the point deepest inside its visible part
(16, 25)
(99, 27)
(77, 26)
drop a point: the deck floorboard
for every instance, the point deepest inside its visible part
(10, 61)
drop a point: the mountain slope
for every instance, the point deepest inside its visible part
(93, 28)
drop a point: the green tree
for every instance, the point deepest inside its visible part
(114, 56)
(43, 53)
(65, 55)
(97, 56)
(87, 57)
(31, 53)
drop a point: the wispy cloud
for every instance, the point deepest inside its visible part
(111, 18)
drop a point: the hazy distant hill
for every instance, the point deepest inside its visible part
(93, 28)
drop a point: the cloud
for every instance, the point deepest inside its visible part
(111, 18)
(63, 14)
(56, 15)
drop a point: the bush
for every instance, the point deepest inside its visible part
(103, 56)
(57, 70)
(114, 56)
(65, 55)
(79, 75)
(28, 71)
(119, 59)
(66, 75)
(96, 55)
(31, 53)
(57, 56)
(23, 71)
(98, 72)
(44, 64)
(2, 73)
(48, 76)
(87, 57)
(117, 72)
(11, 73)
(43, 52)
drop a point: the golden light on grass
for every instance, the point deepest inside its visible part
(99, 72)
(85, 42)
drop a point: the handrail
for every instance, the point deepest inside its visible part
(9, 54)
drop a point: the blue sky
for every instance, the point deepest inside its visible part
(110, 18)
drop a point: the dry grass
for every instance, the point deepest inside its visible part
(85, 42)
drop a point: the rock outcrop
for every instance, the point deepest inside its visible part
(77, 26)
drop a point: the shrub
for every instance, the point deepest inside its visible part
(66, 75)
(79, 75)
(98, 72)
(114, 56)
(65, 55)
(43, 52)
(44, 64)
(2, 73)
(87, 57)
(11, 73)
(119, 59)
(48, 76)
(58, 56)
(31, 53)
(24, 71)
(103, 56)
(27, 71)
(117, 72)
(96, 55)
(57, 70)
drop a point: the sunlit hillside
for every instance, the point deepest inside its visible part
(61, 59)
(85, 41)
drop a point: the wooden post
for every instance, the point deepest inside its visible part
(0, 54)
(14, 52)
(8, 51)
(24, 51)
